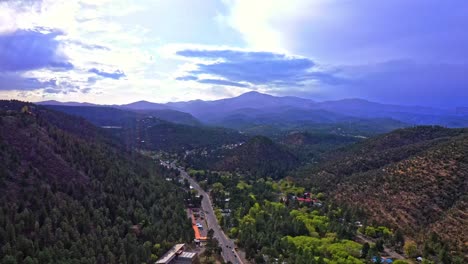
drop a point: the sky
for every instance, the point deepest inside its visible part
(118, 51)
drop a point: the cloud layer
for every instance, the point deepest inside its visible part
(113, 75)
(365, 31)
(412, 52)
(24, 50)
(252, 68)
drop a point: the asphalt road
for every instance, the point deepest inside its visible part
(228, 253)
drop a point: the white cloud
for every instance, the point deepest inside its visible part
(260, 22)
(352, 32)
(92, 37)
(109, 36)
(141, 39)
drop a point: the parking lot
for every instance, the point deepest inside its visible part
(198, 220)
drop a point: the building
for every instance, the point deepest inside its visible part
(177, 255)
(186, 258)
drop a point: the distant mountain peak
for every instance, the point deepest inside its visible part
(140, 105)
(254, 94)
(55, 102)
(141, 102)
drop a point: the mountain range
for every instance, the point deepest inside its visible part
(253, 108)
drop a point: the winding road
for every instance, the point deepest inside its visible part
(227, 245)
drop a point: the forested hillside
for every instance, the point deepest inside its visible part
(167, 130)
(414, 179)
(259, 157)
(309, 147)
(66, 196)
(154, 134)
(119, 116)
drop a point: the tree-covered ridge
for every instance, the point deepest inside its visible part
(68, 199)
(309, 147)
(151, 133)
(375, 153)
(414, 179)
(119, 116)
(259, 157)
(167, 130)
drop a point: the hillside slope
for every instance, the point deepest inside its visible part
(260, 157)
(150, 130)
(154, 134)
(67, 197)
(415, 179)
(310, 146)
(112, 116)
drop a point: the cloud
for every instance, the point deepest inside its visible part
(230, 54)
(62, 40)
(222, 82)
(365, 31)
(64, 88)
(407, 82)
(16, 81)
(325, 49)
(28, 82)
(254, 67)
(52, 91)
(24, 50)
(87, 45)
(187, 78)
(112, 75)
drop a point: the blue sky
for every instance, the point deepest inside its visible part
(118, 51)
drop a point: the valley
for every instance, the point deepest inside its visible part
(271, 191)
(233, 132)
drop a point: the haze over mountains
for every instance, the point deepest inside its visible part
(260, 109)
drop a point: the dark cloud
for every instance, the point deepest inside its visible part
(62, 87)
(396, 82)
(25, 50)
(92, 80)
(257, 68)
(113, 75)
(86, 90)
(52, 91)
(15, 81)
(187, 78)
(223, 82)
(407, 82)
(369, 30)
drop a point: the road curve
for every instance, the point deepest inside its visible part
(227, 245)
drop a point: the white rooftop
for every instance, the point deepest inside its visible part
(170, 254)
(188, 255)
